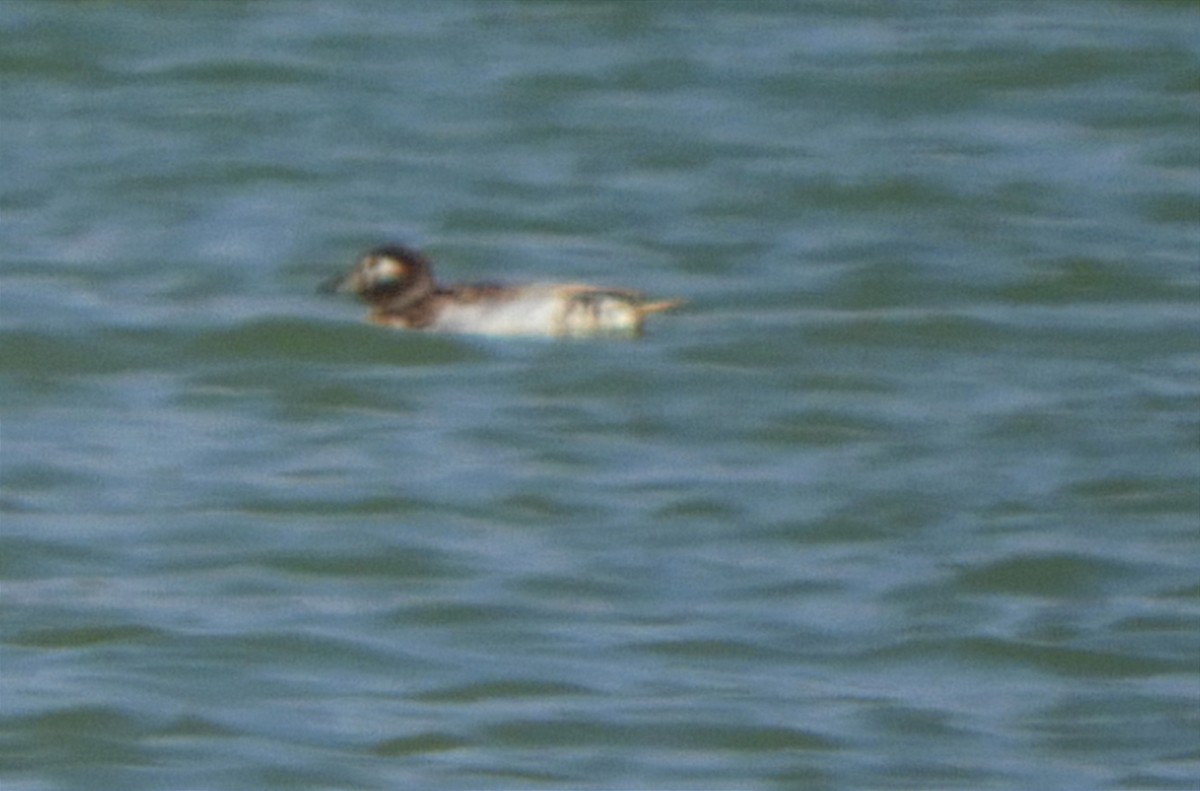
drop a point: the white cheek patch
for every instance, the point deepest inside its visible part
(385, 269)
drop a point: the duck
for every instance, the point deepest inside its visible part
(397, 283)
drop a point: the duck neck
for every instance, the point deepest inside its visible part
(402, 300)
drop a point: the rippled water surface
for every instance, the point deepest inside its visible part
(906, 496)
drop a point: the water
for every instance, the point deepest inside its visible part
(908, 495)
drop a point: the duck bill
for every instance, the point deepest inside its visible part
(338, 284)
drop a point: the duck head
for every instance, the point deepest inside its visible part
(390, 277)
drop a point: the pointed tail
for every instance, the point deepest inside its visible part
(647, 308)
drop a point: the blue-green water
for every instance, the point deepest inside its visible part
(907, 496)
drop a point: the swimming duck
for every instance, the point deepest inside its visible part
(398, 284)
